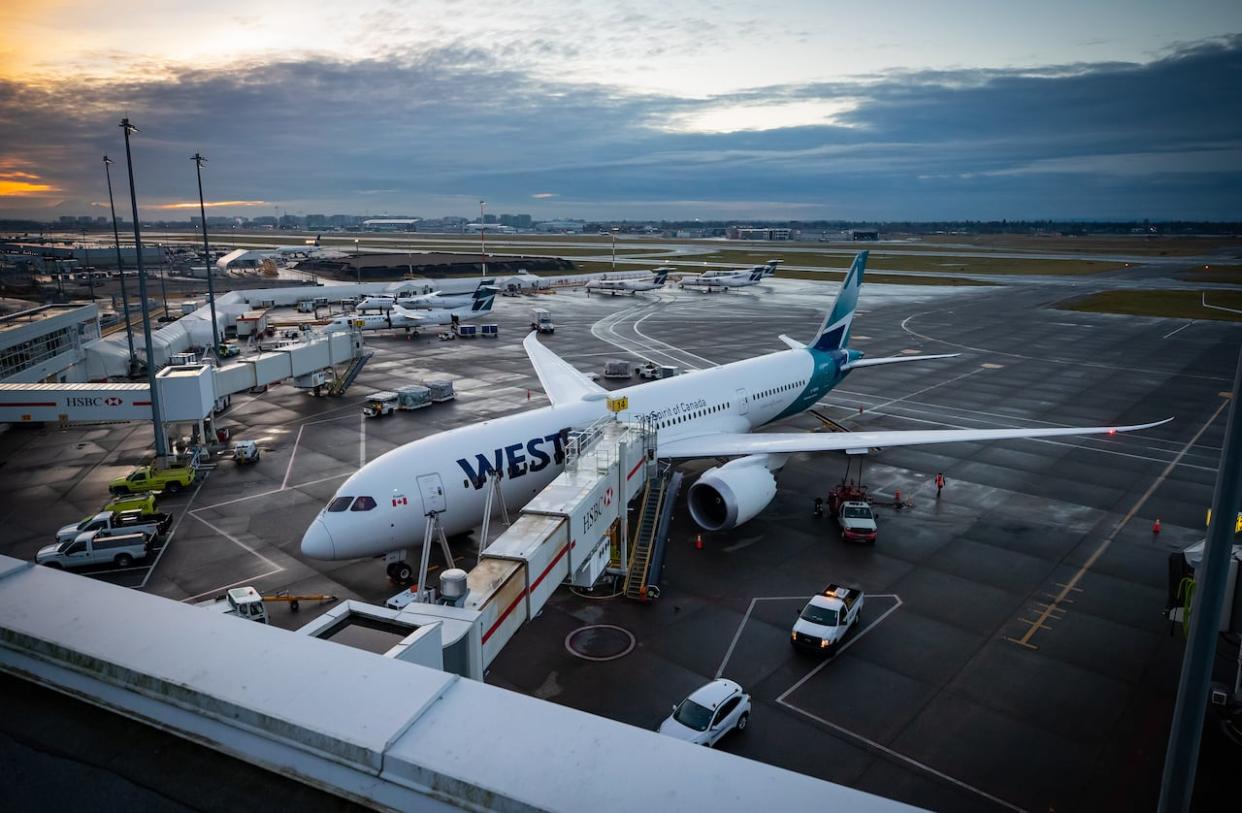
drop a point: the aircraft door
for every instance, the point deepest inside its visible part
(432, 491)
(743, 402)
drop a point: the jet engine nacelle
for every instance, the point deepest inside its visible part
(729, 495)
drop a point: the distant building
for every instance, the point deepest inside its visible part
(864, 234)
(753, 233)
(516, 221)
(391, 224)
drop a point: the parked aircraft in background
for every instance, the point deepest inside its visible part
(629, 286)
(723, 282)
(435, 299)
(398, 317)
(383, 507)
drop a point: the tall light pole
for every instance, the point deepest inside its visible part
(163, 284)
(613, 235)
(161, 443)
(199, 160)
(482, 241)
(120, 265)
(357, 262)
(1212, 576)
(90, 272)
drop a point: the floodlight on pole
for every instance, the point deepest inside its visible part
(120, 266)
(161, 442)
(199, 160)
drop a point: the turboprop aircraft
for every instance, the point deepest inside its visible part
(383, 507)
(435, 299)
(723, 281)
(397, 317)
(629, 286)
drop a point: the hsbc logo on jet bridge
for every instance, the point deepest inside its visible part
(81, 401)
(516, 459)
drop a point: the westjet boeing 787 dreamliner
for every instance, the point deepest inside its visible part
(383, 507)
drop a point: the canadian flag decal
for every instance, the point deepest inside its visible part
(399, 500)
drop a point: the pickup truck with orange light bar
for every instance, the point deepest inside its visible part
(827, 618)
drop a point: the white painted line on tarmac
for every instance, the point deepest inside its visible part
(172, 532)
(1175, 332)
(902, 758)
(238, 542)
(944, 383)
(293, 454)
(845, 645)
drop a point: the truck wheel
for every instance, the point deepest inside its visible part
(173, 487)
(124, 560)
(403, 572)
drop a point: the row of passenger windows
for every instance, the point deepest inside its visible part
(782, 388)
(698, 413)
(359, 504)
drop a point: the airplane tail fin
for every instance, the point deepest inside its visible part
(757, 273)
(661, 274)
(834, 333)
(484, 298)
(769, 270)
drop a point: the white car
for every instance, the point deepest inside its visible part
(708, 714)
(827, 618)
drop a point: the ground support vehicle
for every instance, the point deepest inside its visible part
(380, 404)
(110, 523)
(90, 549)
(149, 478)
(857, 522)
(827, 618)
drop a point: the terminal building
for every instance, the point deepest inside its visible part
(46, 344)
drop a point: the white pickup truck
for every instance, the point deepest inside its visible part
(111, 523)
(826, 619)
(91, 549)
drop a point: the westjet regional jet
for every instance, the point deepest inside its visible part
(709, 413)
(724, 280)
(435, 299)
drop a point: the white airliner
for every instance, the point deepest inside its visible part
(723, 282)
(709, 413)
(629, 286)
(435, 299)
(398, 317)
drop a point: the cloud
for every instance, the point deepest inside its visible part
(209, 204)
(433, 133)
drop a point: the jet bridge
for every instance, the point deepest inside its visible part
(567, 533)
(187, 392)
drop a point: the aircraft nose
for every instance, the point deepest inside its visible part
(317, 542)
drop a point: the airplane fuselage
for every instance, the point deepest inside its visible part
(528, 448)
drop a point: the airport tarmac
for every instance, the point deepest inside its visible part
(1013, 657)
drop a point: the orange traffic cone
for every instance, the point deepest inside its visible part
(698, 541)
(1155, 526)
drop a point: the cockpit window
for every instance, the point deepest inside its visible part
(340, 503)
(363, 504)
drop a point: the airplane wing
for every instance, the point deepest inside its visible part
(559, 379)
(733, 445)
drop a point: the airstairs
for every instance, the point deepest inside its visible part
(645, 536)
(343, 383)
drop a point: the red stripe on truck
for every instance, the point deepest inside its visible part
(634, 470)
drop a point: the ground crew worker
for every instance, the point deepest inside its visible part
(819, 507)
(939, 484)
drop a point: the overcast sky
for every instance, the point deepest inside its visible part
(890, 110)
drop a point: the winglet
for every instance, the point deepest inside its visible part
(560, 380)
(793, 344)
